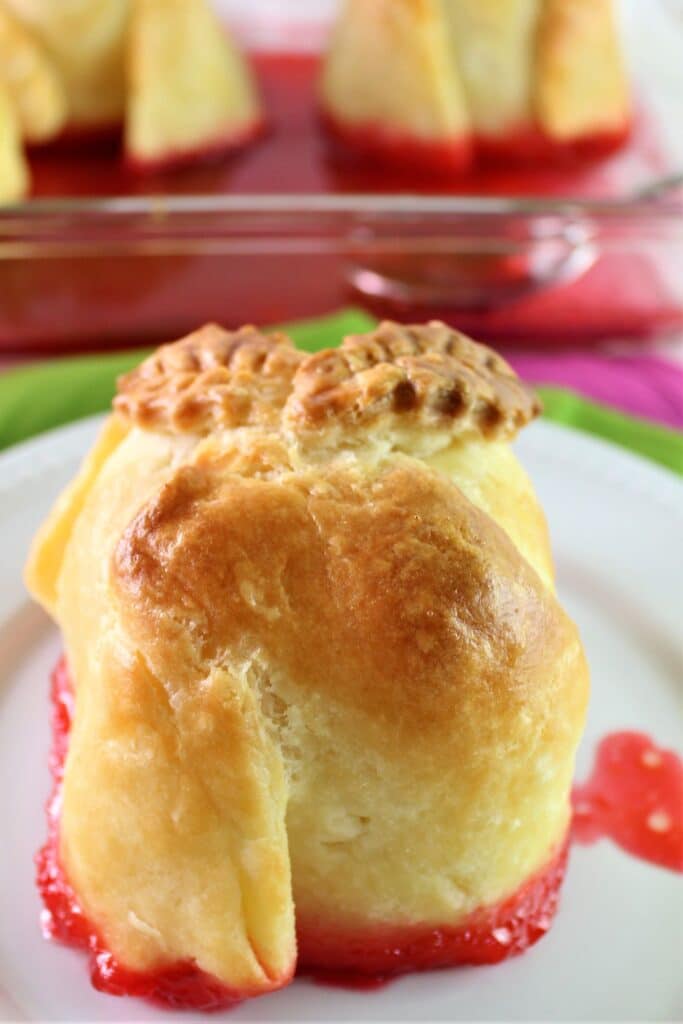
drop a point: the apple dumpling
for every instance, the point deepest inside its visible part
(13, 168)
(166, 69)
(175, 113)
(435, 83)
(320, 702)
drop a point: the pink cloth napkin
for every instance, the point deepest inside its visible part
(643, 385)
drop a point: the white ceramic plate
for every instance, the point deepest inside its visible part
(615, 950)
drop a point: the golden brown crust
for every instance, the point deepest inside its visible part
(432, 373)
(212, 378)
(427, 375)
(339, 577)
(387, 613)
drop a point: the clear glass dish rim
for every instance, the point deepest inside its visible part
(172, 205)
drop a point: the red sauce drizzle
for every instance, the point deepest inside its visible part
(524, 144)
(215, 150)
(374, 142)
(635, 798)
(353, 981)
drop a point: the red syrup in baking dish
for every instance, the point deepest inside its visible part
(434, 163)
(294, 155)
(626, 293)
(635, 796)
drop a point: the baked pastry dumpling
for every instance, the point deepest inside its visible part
(580, 81)
(165, 68)
(32, 81)
(326, 702)
(13, 168)
(32, 102)
(86, 40)
(189, 88)
(390, 82)
(434, 82)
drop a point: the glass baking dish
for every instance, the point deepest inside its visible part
(268, 242)
(129, 271)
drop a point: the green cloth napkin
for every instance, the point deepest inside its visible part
(40, 397)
